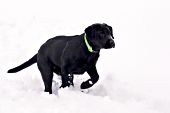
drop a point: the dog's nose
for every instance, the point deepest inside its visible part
(112, 43)
(109, 44)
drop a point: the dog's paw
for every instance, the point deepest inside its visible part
(67, 84)
(86, 84)
(64, 85)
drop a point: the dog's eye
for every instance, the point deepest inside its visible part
(101, 36)
(102, 32)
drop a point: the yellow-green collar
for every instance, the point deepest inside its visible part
(87, 44)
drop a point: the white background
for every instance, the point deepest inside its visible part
(134, 76)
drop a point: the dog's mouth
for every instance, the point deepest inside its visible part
(109, 44)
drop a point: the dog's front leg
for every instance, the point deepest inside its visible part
(94, 77)
(65, 81)
(71, 78)
(65, 78)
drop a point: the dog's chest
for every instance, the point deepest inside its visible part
(82, 65)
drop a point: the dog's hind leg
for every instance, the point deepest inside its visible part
(47, 75)
(94, 77)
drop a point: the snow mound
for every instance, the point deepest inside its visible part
(25, 95)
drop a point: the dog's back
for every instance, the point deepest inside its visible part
(53, 48)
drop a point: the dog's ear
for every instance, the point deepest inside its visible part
(110, 29)
(89, 31)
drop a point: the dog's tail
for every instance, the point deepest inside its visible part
(24, 65)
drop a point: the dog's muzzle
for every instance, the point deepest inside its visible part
(109, 44)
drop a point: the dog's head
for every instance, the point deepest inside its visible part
(100, 36)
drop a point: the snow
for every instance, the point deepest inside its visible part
(134, 76)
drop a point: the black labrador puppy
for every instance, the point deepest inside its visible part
(68, 55)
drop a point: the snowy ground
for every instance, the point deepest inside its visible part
(134, 77)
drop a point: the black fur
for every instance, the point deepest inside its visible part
(24, 65)
(68, 55)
